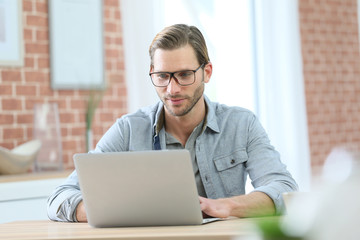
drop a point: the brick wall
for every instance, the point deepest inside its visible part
(21, 87)
(331, 63)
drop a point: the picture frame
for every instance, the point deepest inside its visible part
(76, 44)
(11, 33)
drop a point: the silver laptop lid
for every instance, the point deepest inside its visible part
(146, 188)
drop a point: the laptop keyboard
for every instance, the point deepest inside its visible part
(208, 220)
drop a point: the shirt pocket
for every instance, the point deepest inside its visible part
(232, 171)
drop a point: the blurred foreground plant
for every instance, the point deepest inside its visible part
(271, 229)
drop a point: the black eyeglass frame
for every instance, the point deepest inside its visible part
(172, 75)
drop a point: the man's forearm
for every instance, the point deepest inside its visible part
(81, 213)
(251, 205)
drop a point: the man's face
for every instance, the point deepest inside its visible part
(180, 100)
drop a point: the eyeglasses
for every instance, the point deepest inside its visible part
(183, 78)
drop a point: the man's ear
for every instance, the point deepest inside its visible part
(207, 72)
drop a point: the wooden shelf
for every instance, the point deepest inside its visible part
(34, 176)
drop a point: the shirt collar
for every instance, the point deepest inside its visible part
(211, 121)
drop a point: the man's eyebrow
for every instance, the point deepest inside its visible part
(185, 69)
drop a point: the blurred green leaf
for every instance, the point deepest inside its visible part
(270, 229)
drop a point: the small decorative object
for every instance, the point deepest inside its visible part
(47, 130)
(94, 100)
(20, 159)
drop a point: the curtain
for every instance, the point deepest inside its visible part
(141, 20)
(281, 95)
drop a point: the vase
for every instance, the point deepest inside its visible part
(47, 130)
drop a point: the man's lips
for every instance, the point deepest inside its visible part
(176, 101)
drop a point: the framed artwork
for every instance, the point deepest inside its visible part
(11, 33)
(76, 44)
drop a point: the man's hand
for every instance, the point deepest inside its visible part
(250, 205)
(215, 207)
(81, 213)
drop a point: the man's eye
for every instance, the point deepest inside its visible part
(163, 76)
(185, 74)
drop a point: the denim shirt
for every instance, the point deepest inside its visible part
(232, 145)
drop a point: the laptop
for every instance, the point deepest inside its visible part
(146, 188)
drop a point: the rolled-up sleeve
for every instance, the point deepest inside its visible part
(267, 173)
(62, 203)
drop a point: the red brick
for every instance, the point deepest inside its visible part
(78, 104)
(37, 21)
(42, 35)
(109, 65)
(36, 76)
(120, 65)
(25, 118)
(29, 62)
(111, 3)
(111, 27)
(30, 103)
(64, 132)
(119, 41)
(117, 15)
(11, 75)
(113, 104)
(68, 144)
(98, 130)
(27, 6)
(11, 104)
(78, 131)
(13, 133)
(43, 62)
(28, 34)
(107, 117)
(67, 118)
(108, 40)
(37, 48)
(107, 13)
(67, 93)
(6, 119)
(45, 90)
(8, 145)
(115, 77)
(26, 90)
(6, 89)
(122, 91)
(82, 118)
(41, 7)
(29, 132)
(61, 103)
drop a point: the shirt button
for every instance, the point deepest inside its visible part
(232, 161)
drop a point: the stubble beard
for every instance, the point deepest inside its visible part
(182, 111)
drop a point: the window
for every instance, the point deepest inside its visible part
(226, 28)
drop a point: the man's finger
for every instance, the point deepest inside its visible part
(201, 198)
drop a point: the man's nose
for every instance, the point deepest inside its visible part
(173, 86)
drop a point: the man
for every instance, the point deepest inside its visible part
(225, 143)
